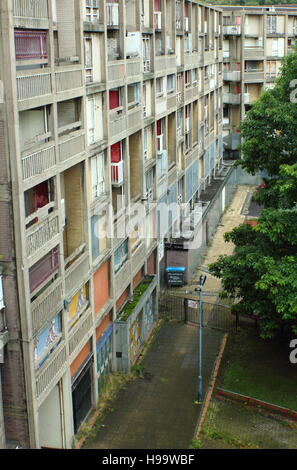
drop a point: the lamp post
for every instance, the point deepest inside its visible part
(202, 280)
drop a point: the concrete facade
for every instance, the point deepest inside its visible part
(102, 105)
(255, 41)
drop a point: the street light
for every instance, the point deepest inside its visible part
(202, 280)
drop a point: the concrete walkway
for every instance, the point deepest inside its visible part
(158, 411)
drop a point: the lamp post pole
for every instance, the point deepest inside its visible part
(199, 289)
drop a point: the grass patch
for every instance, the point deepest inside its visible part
(259, 368)
(138, 292)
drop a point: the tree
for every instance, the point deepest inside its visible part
(260, 276)
(269, 128)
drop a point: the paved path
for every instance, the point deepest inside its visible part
(158, 411)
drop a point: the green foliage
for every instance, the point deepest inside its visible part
(138, 292)
(260, 276)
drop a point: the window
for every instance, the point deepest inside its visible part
(88, 59)
(179, 123)
(30, 44)
(188, 78)
(146, 53)
(171, 83)
(92, 11)
(271, 23)
(160, 86)
(120, 256)
(194, 76)
(133, 92)
(98, 175)
(145, 148)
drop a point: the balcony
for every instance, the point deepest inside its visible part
(138, 258)
(51, 371)
(231, 98)
(253, 76)
(134, 117)
(112, 15)
(36, 9)
(133, 67)
(33, 84)
(80, 334)
(47, 305)
(232, 76)
(69, 78)
(76, 274)
(71, 145)
(34, 164)
(232, 30)
(158, 20)
(270, 76)
(115, 70)
(253, 53)
(117, 122)
(41, 233)
(122, 278)
(117, 173)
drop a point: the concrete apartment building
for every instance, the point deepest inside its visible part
(103, 103)
(255, 41)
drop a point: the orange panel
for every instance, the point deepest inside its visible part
(122, 298)
(101, 286)
(80, 358)
(138, 277)
(106, 320)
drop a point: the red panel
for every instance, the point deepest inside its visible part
(157, 5)
(159, 127)
(238, 89)
(40, 271)
(30, 44)
(114, 99)
(115, 151)
(40, 195)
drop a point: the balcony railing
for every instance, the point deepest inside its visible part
(253, 52)
(80, 333)
(33, 85)
(51, 370)
(71, 145)
(117, 173)
(233, 30)
(231, 98)
(112, 14)
(36, 163)
(76, 273)
(68, 78)
(41, 233)
(232, 76)
(30, 9)
(47, 305)
(246, 98)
